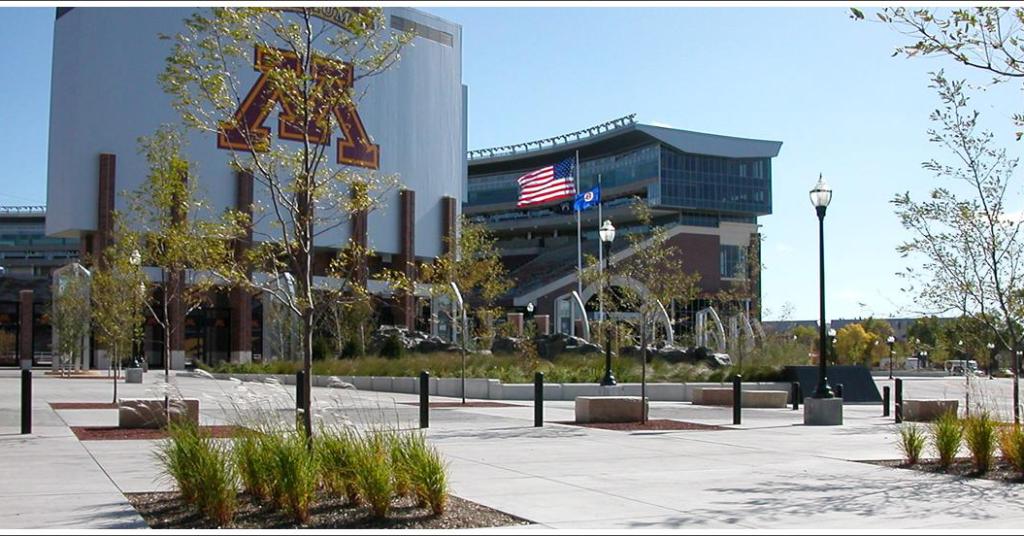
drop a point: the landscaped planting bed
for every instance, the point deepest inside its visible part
(963, 467)
(103, 433)
(168, 511)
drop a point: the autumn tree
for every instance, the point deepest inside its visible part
(854, 344)
(966, 246)
(312, 69)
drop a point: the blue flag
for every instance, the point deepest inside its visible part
(587, 199)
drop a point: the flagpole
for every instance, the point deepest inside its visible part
(579, 242)
(600, 253)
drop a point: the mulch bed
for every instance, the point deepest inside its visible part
(166, 510)
(443, 405)
(962, 467)
(650, 425)
(83, 405)
(104, 433)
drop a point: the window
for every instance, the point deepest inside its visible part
(732, 262)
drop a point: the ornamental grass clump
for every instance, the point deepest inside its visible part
(336, 451)
(253, 456)
(947, 434)
(980, 436)
(428, 476)
(911, 442)
(372, 473)
(295, 476)
(202, 469)
(1011, 443)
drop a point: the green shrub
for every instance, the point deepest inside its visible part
(947, 434)
(400, 449)
(392, 347)
(428, 474)
(911, 442)
(373, 474)
(296, 476)
(980, 436)
(254, 461)
(353, 348)
(1011, 443)
(336, 450)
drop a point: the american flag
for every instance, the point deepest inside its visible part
(549, 183)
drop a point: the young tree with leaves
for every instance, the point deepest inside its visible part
(174, 238)
(118, 295)
(970, 246)
(653, 276)
(70, 316)
(310, 68)
(472, 261)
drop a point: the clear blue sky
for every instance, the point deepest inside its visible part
(824, 85)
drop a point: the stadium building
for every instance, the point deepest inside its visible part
(105, 95)
(708, 190)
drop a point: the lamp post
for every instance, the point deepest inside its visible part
(892, 341)
(821, 196)
(832, 346)
(607, 234)
(991, 357)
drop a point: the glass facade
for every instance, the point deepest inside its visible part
(615, 170)
(732, 261)
(737, 185)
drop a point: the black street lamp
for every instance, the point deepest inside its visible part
(821, 196)
(832, 346)
(892, 341)
(991, 357)
(607, 234)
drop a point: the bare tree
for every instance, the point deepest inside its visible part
(970, 246)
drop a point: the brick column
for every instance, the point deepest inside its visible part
(448, 223)
(516, 319)
(176, 322)
(359, 232)
(240, 299)
(25, 328)
(543, 324)
(405, 261)
(105, 204)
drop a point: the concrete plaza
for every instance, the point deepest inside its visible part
(771, 472)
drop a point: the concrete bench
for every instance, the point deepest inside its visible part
(150, 413)
(722, 396)
(609, 409)
(921, 410)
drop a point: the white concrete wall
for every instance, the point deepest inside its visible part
(105, 95)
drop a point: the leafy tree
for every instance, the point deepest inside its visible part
(986, 38)
(118, 296)
(165, 210)
(473, 262)
(854, 344)
(654, 276)
(70, 314)
(805, 335)
(970, 248)
(311, 68)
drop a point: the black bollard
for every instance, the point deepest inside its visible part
(300, 389)
(794, 392)
(898, 407)
(538, 399)
(839, 390)
(737, 398)
(424, 399)
(885, 401)
(26, 401)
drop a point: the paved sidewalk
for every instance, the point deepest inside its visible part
(769, 473)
